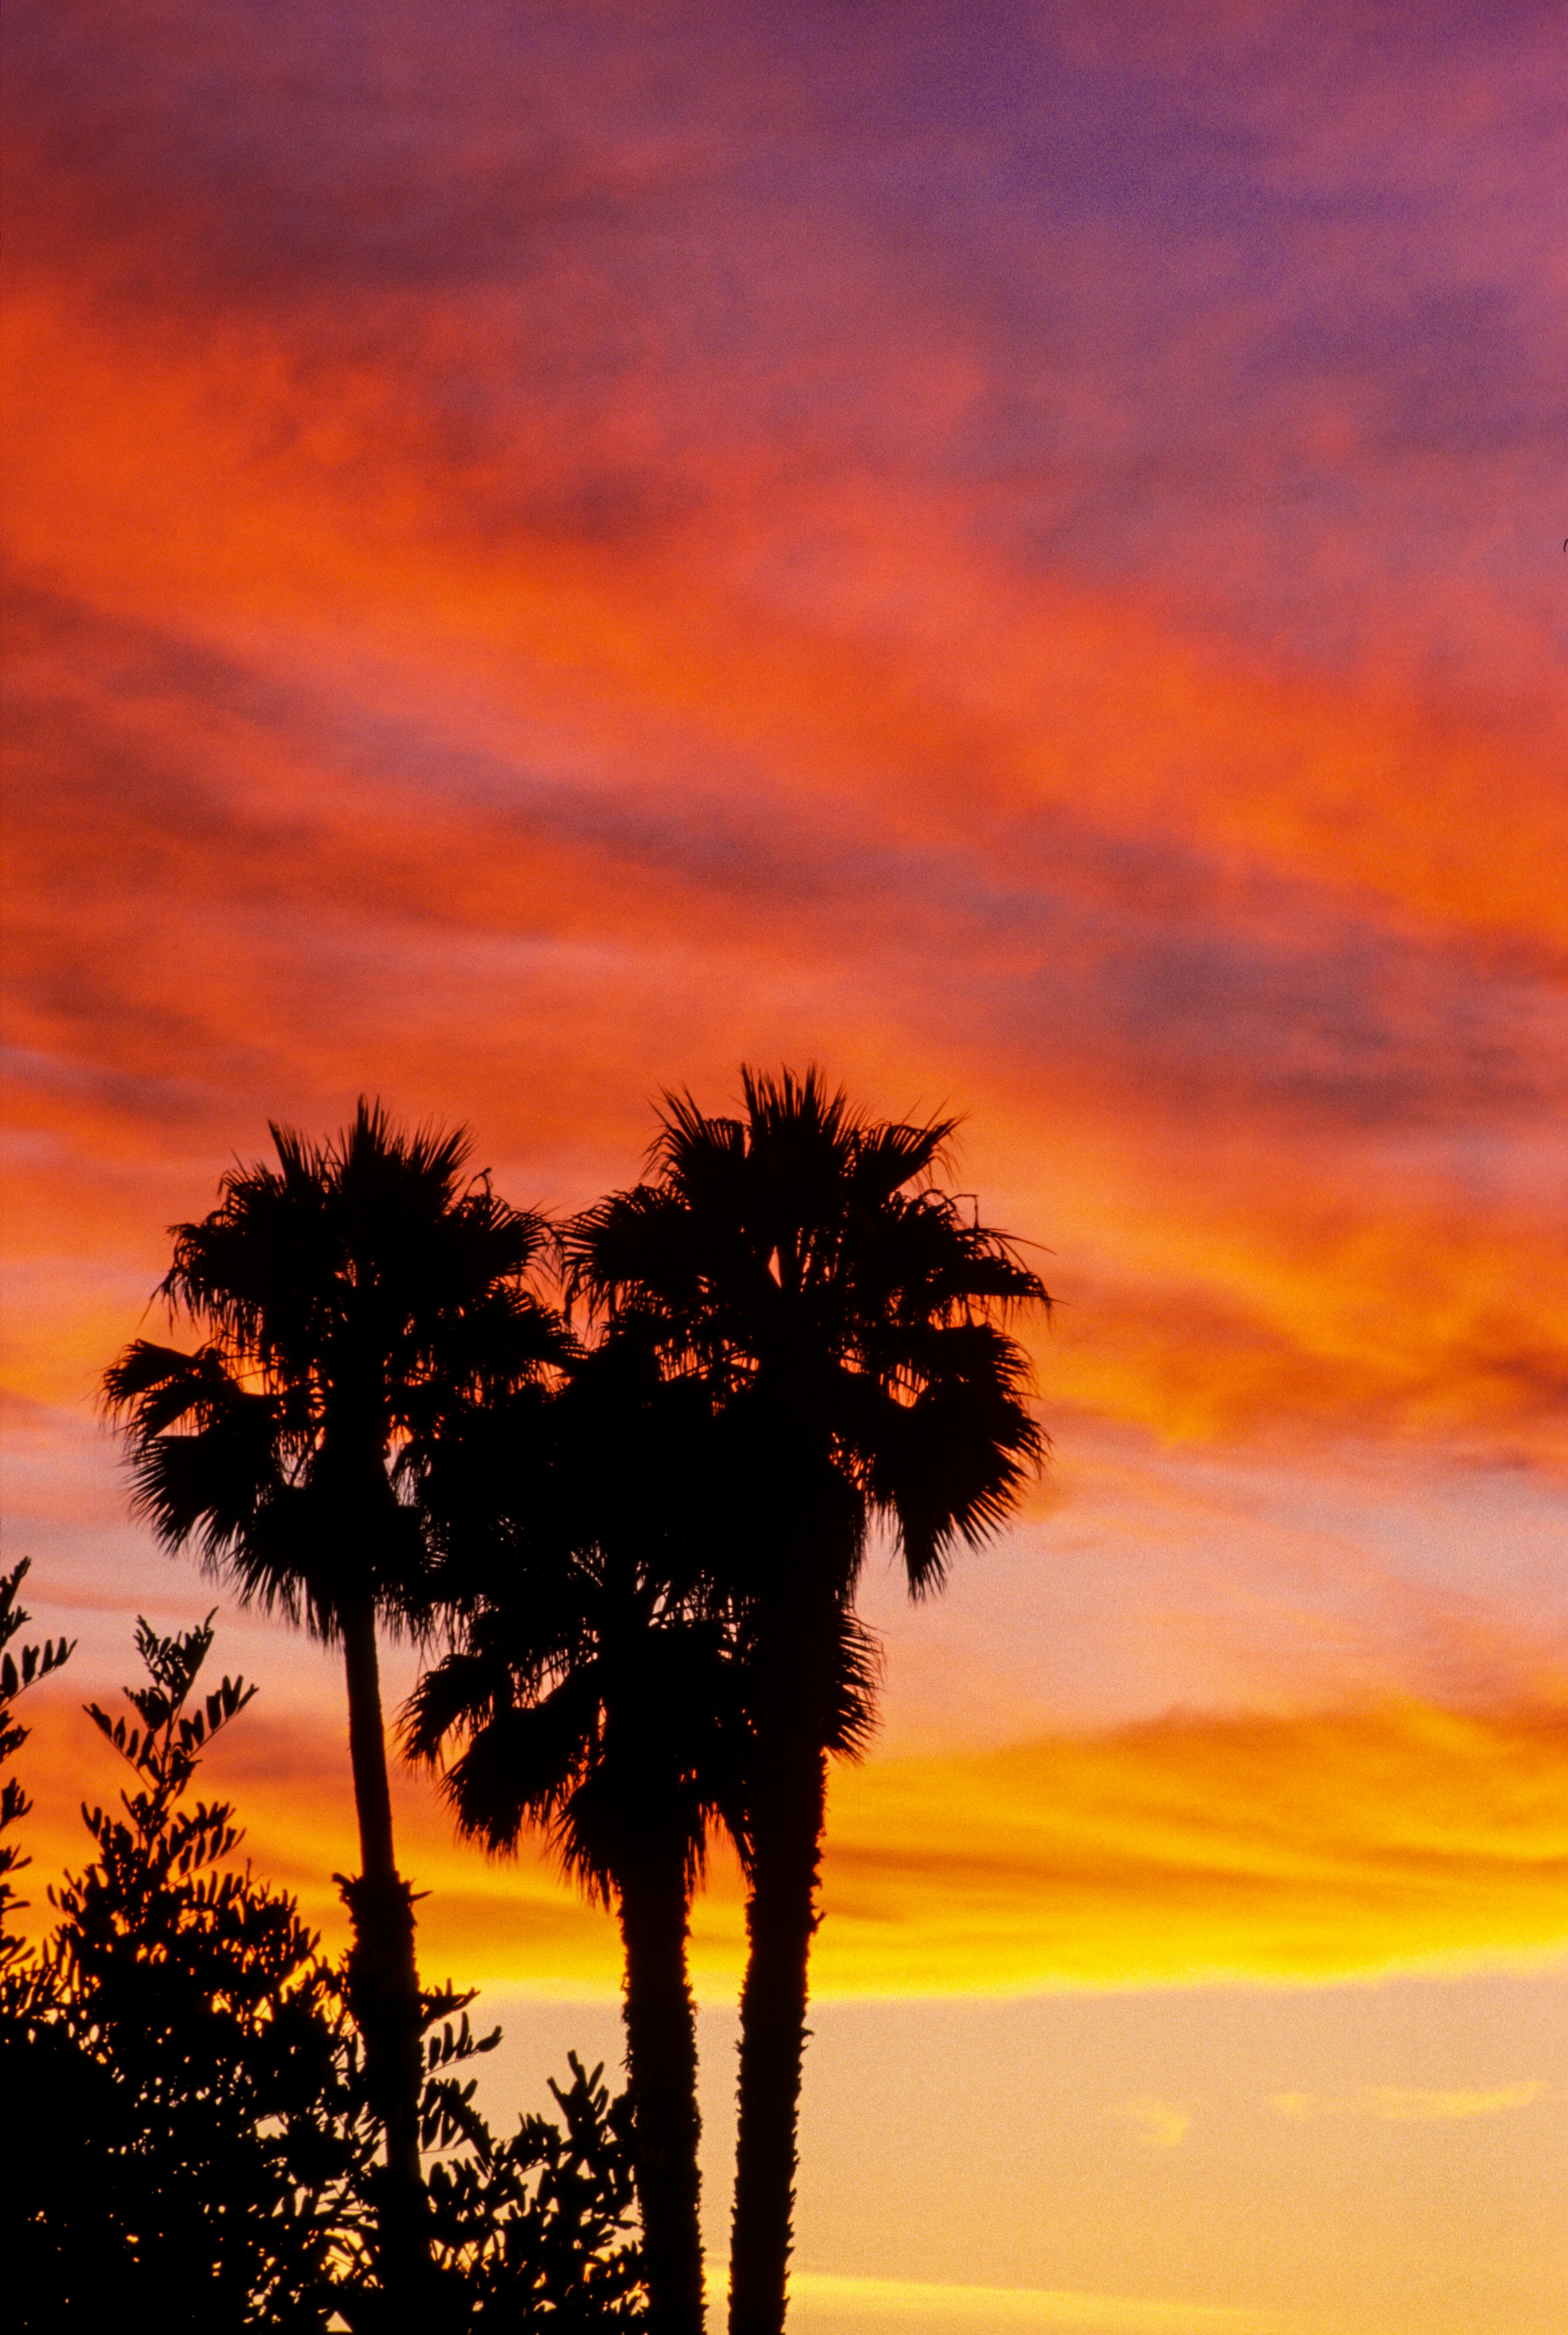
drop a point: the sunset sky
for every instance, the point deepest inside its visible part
(1016, 552)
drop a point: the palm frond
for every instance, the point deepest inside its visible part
(522, 1763)
(359, 1300)
(802, 1261)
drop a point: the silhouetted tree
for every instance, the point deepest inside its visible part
(588, 1696)
(192, 2143)
(848, 1322)
(185, 2133)
(29, 1992)
(354, 1299)
(37, 1662)
(536, 2232)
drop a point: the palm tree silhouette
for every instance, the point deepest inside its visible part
(357, 1299)
(588, 1702)
(612, 1741)
(596, 1694)
(849, 1326)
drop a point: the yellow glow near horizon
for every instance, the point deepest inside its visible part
(929, 2303)
(1182, 1853)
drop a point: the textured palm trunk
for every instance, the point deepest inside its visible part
(662, 2063)
(780, 1919)
(382, 1977)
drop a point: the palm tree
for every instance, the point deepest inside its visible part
(596, 1694)
(589, 1702)
(848, 1322)
(356, 1299)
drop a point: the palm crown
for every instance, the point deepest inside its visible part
(357, 1297)
(616, 1717)
(802, 1263)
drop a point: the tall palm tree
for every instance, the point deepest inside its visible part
(356, 1299)
(849, 1323)
(589, 1703)
(596, 1693)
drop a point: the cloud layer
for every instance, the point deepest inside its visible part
(1011, 550)
(1181, 1852)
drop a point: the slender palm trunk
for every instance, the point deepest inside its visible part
(661, 2062)
(382, 1977)
(780, 1919)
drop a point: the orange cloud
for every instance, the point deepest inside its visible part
(1046, 699)
(1187, 1850)
(1229, 967)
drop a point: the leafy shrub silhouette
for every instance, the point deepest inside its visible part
(190, 2139)
(37, 1662)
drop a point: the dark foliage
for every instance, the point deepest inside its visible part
(533, 2231)
(198, 2146)
(37, 1662)
(193, 2133)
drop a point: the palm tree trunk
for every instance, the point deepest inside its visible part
(780, 1920)
(662, 2063)
(383, 1982)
